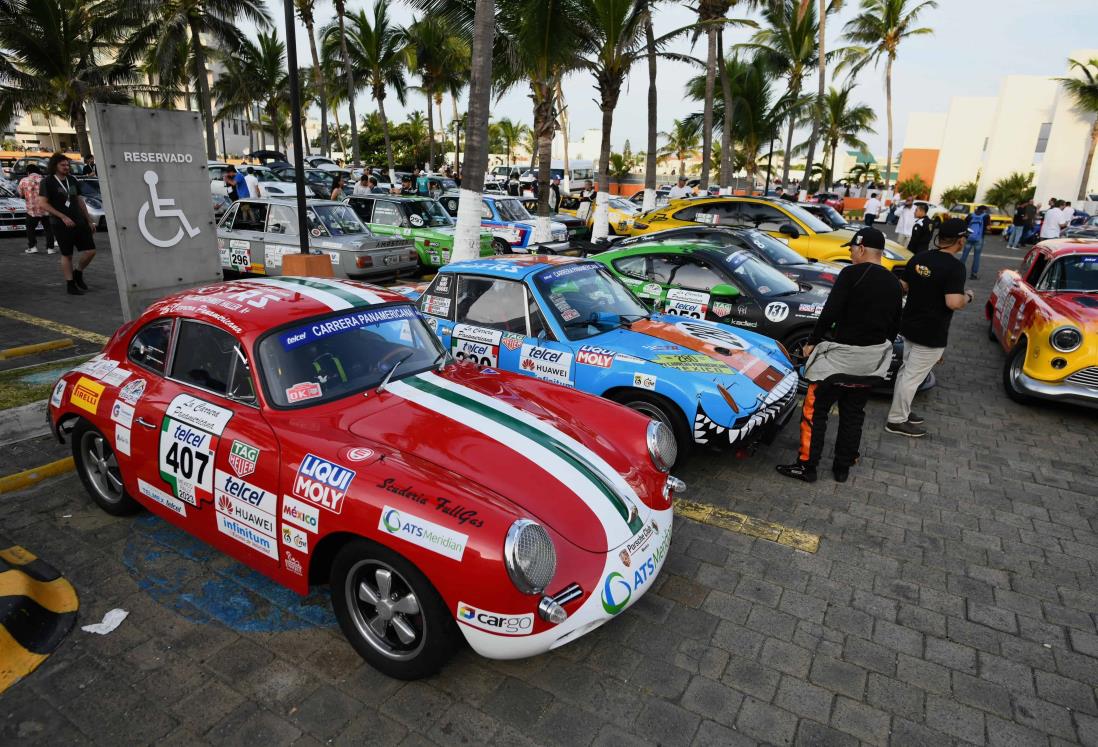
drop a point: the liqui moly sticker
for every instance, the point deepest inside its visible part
(322, 483)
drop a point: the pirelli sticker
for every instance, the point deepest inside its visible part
(86, 394)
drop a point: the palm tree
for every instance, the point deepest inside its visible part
(175, 24)
(842, 122)
(1085, 93)
(826, 6)
(377, 48)
(875, 33)
(417, 128)
(620, 167)
(859, 172)
(434, 51)
(530, 143)
(539, 41)
(789, 44)
(58, 57)
(306, 12)
(349, 76)
(265, 65)
(512, 133)
(650, 159)
(682, 143)
(1011, 190)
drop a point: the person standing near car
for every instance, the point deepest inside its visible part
(921, 231)
(872, 209)
(554, 194)
(1018, 225)
(1031, 220)
(860, 320)
(89, 167)
(72, 225)
(241, 183)
(29, 189)
(905, 222)
(977, 224)
(252, 182)
(935, 283)
(679, 191)
(337, 188)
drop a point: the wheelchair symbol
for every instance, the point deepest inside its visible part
(162, 209)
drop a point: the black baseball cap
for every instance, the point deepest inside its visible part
(952, 228)
(868, 237)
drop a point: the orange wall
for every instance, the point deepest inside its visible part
(921, 161)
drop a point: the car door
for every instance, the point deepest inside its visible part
(216, 457)
(1012, 309)
(244, 229)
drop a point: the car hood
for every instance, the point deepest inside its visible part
(502, 432)
(843, 235)
(532, 224)
(12, 203)
(1078, 307)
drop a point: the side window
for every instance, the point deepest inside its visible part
(764, 217)
(684, 273)
(387, 214)
(229, 217)
(687, 213)
(363, 208)
(211, 359)
(538, 327)
(635, 266)
(491, 302)
(1039, 264)
(663, 269)
(485, 210)
(282, 220)
(250, 216)
(216, 172)
(149, 347)
(437, 300)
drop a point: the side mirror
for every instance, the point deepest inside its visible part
(724, 290)
(277, 228)
(789, 230)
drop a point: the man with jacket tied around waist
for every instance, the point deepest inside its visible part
(860, 321)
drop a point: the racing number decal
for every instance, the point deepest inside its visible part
(692, 304)
(186, 460)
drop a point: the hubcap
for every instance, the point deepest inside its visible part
(651, 411)
(101, 467)
(385, 610)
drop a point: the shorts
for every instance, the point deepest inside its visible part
(79, 237)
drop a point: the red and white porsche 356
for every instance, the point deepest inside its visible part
(318, 432)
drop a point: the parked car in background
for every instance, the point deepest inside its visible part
(255, 234)
(999, 220)
(13, 213)
(831, 199)
(513, 227)
(621, 212)
(1086, 230)
(661, 197)
(828, 215)
(19, 167)
(318, 181)
(271, 183)
(577, 229)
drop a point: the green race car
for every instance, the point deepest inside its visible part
(420, 219)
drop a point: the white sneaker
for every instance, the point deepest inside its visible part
(51, 251)
(33, 250)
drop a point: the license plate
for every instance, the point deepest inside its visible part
(392, 259)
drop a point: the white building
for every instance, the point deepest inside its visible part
(1030, 125)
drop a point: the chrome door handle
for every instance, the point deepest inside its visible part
(146, 423)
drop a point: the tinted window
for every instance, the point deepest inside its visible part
(211, 359)
(1072, 273)
(492, 302)
(149, 347)
(387, 214)
(283, 220)
(686, 273)
(763, 217)
(229, 217)
(362, 208)
(636, 266)
(250, 216)
(486, 210)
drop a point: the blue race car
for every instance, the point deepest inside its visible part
(513, 227)
(572, 322)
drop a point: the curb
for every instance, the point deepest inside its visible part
(23, 422)
(38, 347)
(35, 475)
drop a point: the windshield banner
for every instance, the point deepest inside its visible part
(335, 325)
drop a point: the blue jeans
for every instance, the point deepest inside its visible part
(1016, 237)
(978, 245)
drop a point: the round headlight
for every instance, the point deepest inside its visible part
(661, 446)
(1066, 339)
(530, 556)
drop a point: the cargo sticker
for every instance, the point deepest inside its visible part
(495, 622)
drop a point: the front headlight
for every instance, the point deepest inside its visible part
(1066, 339)
(530, 556)
(661, 446)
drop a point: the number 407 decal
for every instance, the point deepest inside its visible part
(187, 460)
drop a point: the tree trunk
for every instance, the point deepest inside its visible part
(441, 128)
(888, 103)
(543, 128)
(318, 81)
(831, 170)
(341, 11)
(821, 80)
(457, 134)
(205, 102)
(339, 131)
(1089, 163)
(601, 228)
(726, 125)
(707, 117)
(650, 154)
(467, 232)
(787, 160)
(430, 132)
(379, 94)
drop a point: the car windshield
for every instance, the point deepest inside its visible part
(623, 205)
(512, 210)
(335, 220)
(1077, 272)
(586, 299)
(327, 358)
(447, 184)
(776, 252)
(834, 217)
(760, 277)
(266, 175)
(813, 223)
(423, 213)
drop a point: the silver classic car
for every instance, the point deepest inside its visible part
(255, 234)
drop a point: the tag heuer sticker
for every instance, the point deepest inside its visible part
(242, 458)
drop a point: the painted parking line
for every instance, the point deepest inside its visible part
(37, 610)
(28, 477)
(64, 329)
(38, 347)
(744, 524)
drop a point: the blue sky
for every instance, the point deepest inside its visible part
(975, 43)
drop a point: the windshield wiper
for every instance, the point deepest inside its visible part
(441, 360)
(381, 386)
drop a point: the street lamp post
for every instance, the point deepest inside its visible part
(296, 121)
(769, 162)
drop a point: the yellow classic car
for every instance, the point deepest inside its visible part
(1045, 315)
(999, 219)
(805, 233)
(622, 212)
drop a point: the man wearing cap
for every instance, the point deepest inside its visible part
(860, 320)
(935, 283)
(679, 191)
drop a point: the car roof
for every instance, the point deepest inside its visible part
(276, 301)
(513, 267)
(289, 200)
(1066, 246)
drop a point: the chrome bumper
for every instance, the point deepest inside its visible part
(1062, 392)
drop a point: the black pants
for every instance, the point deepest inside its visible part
(817, 402)
(32, 227)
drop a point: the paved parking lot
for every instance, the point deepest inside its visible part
(953, 599)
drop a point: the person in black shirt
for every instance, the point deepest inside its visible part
(935, 282)
(859, 321)
(921, 231)
(72, 226)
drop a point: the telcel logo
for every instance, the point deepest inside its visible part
(545, 354)
(495, 622)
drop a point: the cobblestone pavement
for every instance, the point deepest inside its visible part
(952, 600)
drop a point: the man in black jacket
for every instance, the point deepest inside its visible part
(921, 232)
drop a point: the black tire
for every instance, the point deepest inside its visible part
(662, 409)
(356, 575)
(500, 246)
(98, 469)
(991, 328)
(1011, 368)
(794, 341)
